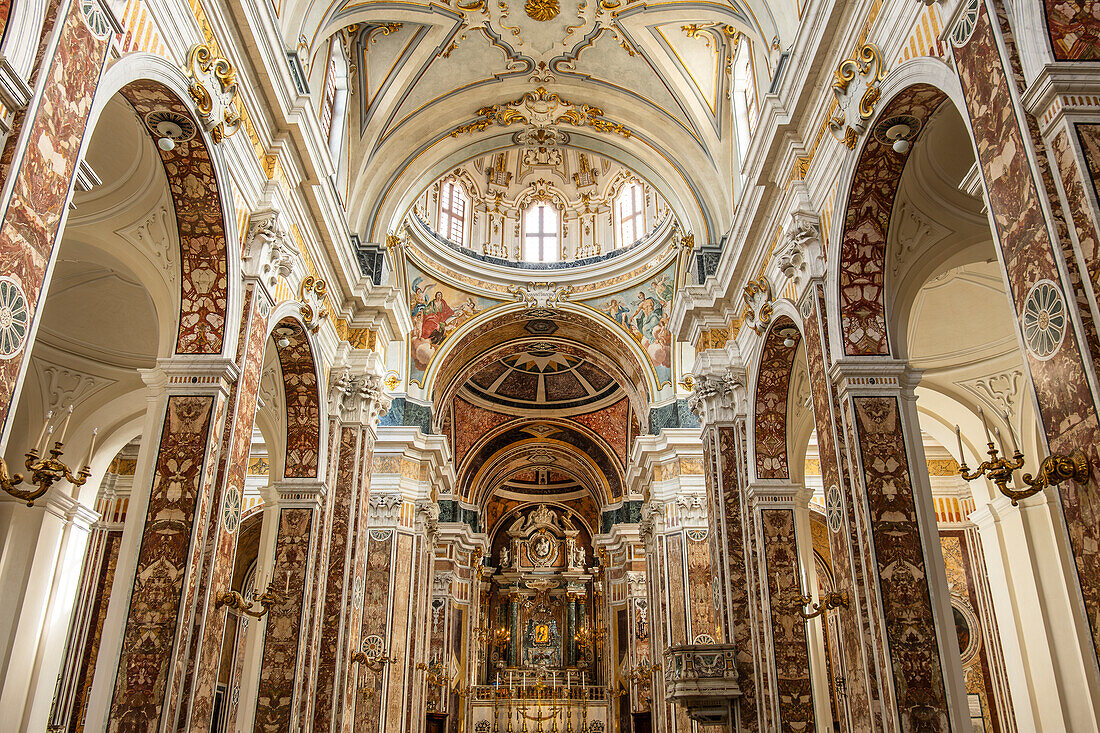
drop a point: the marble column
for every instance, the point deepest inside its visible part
(159, 599)
(200, 672)
(282, 680)
(1046, 272)
(356, 402)
(719, 401)
(862, 677)
(773, 506)
(38, 166)
(915, 638)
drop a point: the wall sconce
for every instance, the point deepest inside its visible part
(436, 672)
(373, 662)
(1054, 469)
(829, 601)
(237, 603)
(45, 472)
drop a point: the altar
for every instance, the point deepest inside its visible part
(540, 707)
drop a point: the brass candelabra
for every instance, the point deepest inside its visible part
(256, 608)
(1054, 469)
(373, 662)
(45, 472)
(436, 672)
(829, 601)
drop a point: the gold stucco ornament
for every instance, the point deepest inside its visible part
(542, 10)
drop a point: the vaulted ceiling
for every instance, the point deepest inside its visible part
(648, 86)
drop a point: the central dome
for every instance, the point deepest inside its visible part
(543, 205)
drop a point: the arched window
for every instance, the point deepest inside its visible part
(630, 207)
(452, 212)
(744, 95)
(540, 234)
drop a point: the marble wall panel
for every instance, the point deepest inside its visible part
(612, 423)
(280, 662)
(43, 174)
(903, 577)
(471, 425)
(209, 626)
(163, 563)
(1073, 29)
(772, 385)
(700, 590)
(677, 601)
(1066, 404)
(862, 684)
(200, 220)
(303, 409)
(376, 614)
(866, 221)
(731, 442)
(791, 653)
(401, 603)
(338, 580)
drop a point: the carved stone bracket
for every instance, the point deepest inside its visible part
(214, 89)
(758, 297)
(269, 252)
(801, 257)
(856, 87)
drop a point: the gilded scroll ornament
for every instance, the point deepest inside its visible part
(214, 89)
(855, 78)
(311, 294)
(542, 10)
(541, 109)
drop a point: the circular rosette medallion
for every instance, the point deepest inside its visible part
(15, 318)
(542, 9)
(833, 509)
(231, 510)
(1045, 319)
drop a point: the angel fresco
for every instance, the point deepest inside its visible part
(435, 315)
(644, 314)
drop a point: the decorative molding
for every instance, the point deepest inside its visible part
(214, 89)
(311, 294)
(758, 297)
(384, 510)
(357, 398)
(152, 234)
(63, 386)
(541, 109)
(268, 248)
(1000, 391)
(868, 67)
(540, 295)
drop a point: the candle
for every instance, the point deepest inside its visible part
(985, 425)
(65, 424)
(1011, 434)
(40, 444)
(1000, 440)
(91, 448)
(959, 437)
(287, 590)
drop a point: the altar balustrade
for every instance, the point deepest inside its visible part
(542, 706)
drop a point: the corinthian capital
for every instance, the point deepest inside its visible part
(357, 398)
(719, 398)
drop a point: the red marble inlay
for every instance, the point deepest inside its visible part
(772, 386)
(376, 608)
(843, 544)
(210, 626)
(1065, 400)
(280, 663)
(899, 558)
(791, 653)
(44, 168)
(1074, 29)
(200, 221)
(303, 409)
(334, 658)
(700, 590)
(162, 565)
(866, 222)
(104, 580)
